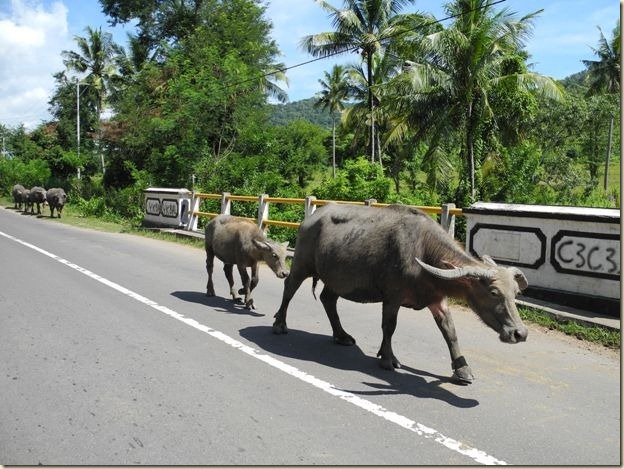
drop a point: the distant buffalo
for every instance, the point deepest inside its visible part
(37, 196)
(18, 191)
(25, 197)
(56, 198)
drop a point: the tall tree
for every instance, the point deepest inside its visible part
(332, 98)
(447, 85)
(365, 26)
(96, 59)
(604, 77)
(191, 103)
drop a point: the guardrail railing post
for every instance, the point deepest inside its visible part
(369, 202)
(447, 220)
(263, 211)
(309, 207)
(192, 223)
(226, 203)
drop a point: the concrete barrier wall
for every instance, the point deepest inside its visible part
(166, 207)
(565, 252)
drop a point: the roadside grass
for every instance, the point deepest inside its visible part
(71, 216)
(595, 334)
(609, 338)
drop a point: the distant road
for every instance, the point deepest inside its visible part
(111, 354)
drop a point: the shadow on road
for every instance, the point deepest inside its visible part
(321, 349)
(217, 303)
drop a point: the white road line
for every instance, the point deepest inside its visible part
(421, 430)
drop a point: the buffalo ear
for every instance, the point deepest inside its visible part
(262, 245)
(519, 277)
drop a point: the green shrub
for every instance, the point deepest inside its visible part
(358, 180)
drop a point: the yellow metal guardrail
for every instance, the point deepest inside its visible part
(447, 212)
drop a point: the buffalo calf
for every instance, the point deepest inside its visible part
(237, 241)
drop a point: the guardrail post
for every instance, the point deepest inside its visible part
(226, 203)
(447, 220)
(369, 202)
(192, 223)
(309, 207)
(263, 211)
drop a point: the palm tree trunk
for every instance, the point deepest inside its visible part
(99, 136)
(609, 143)
(470, 150)
(379, 150)
(369, 79)
(334, 146)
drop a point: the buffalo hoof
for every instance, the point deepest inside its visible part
(249, 304)
(280, 328)
(463, 375)
(344, 340)
(389, 363)
(210, 293)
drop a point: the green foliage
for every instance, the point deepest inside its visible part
(358, 180)
(29, 174)
(190, 98)
(509, 175)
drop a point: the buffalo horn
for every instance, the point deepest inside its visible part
(458, 272)
(521, 280)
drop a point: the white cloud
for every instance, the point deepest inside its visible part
(31, 40)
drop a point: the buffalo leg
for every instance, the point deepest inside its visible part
(228, 271)
(254, 279)
(242, 270)
(291, 285)
(390, 312)
(209, 266)
(442, 315)
(329, 300)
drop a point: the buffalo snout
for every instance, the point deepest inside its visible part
(514, 335)
(282, 274)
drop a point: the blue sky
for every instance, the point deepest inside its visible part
(34, 32)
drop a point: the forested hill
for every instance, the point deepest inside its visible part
(282, 114)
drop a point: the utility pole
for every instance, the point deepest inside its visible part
(78, 121)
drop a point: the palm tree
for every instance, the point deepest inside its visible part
(446, 87)
(97, 59)
(604, 76)
(359, 116)
(331, 98)
(269, 81)
(362, 25)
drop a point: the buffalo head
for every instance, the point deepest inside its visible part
(274, 254)
(490, 291)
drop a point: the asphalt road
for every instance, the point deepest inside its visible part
(111, 354)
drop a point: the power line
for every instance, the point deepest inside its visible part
(353, 48)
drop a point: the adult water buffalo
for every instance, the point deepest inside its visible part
(56, 198)
(37, 196)
(17, 192)
(401, 257)
(25, 197)
(239, 241)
